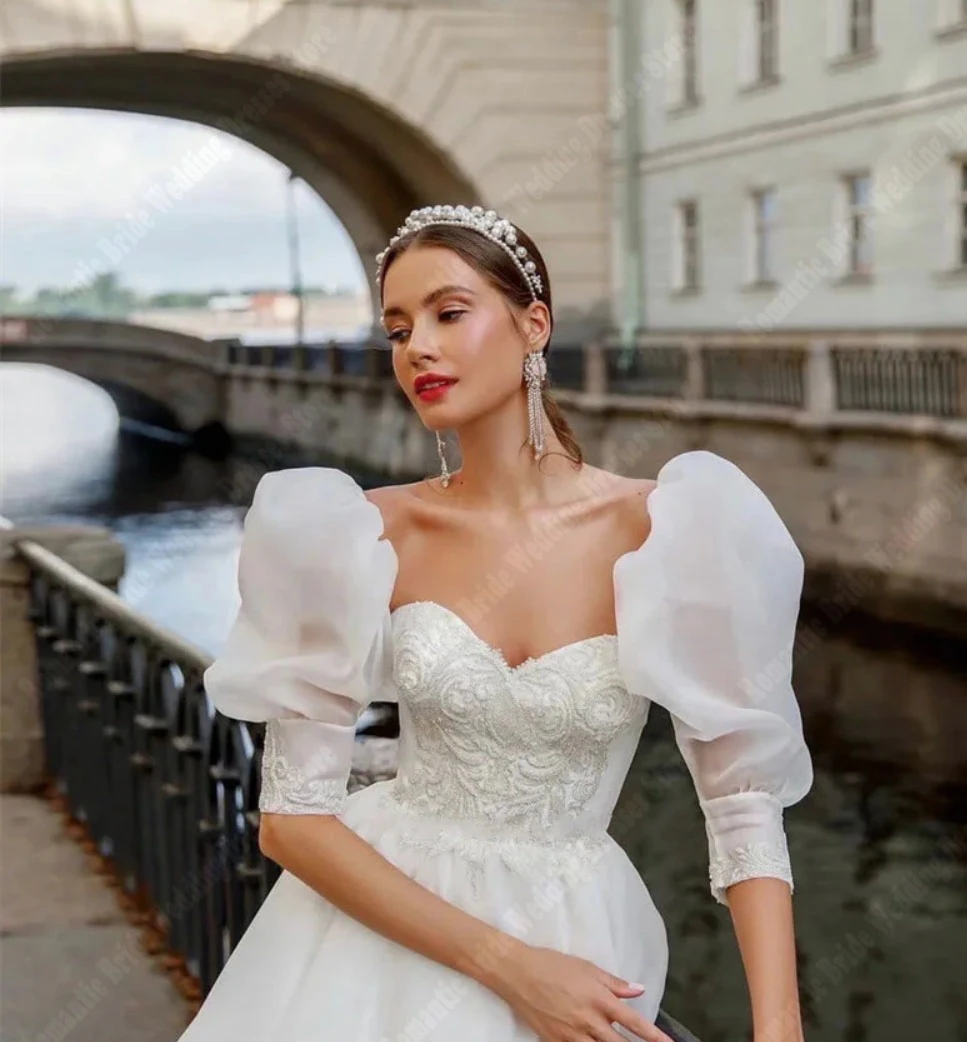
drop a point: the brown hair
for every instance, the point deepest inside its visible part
(495, 265)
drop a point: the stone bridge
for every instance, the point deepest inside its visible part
(166, 379)
(378, 106)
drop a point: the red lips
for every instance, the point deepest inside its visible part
(429, 386)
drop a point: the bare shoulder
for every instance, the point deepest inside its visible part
(618, 488)
(625, 499)
(389, 499)
(398, 505)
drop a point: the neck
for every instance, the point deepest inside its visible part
(498, 468)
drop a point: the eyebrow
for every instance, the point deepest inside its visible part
(431, 298)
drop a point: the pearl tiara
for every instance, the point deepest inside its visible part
(487, 222)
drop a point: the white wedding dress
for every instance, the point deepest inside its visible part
(508, 776)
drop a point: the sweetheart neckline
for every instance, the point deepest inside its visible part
(530, 661)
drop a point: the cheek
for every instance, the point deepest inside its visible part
(484, 350)
(400, 366)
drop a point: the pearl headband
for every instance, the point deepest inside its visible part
(486, 222)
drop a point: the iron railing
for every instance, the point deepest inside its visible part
(565, 367)
(164, 787)
(928, 382)
(768, 376)
(656, 370)
(899, 375)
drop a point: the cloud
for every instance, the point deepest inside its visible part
(70, 176)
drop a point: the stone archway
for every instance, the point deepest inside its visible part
(379, 106)
(370, 169)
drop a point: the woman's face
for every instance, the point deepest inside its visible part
(445, 320)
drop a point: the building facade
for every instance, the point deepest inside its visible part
(684, 164)
(798, 165)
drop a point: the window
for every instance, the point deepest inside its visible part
(682, 81)
(952, 15)
(962, 215)
(686, 246)
(767, 39)
(763, 235)
(689, 51)
(860, 27)
(858, 224)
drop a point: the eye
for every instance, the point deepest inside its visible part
(396, 336)
(451, 314)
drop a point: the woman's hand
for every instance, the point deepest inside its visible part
(566, 999)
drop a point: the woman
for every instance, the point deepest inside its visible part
(524, 611)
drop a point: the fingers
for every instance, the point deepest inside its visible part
(606, 1034)
(636, 1023)
(622, 988)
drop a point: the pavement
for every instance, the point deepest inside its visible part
(72, 966)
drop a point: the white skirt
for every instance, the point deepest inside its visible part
(304, 971)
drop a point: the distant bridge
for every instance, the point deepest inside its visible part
(155, 376)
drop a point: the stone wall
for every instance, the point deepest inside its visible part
(878, 504)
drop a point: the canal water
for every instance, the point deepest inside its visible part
(879, 846)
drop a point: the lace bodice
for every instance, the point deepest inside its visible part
(535, 754)
(541, 748)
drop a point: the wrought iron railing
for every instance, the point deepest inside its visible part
(925, 382)
(767, 376)
(655, 370)
(899, 375)
(565, 367)
(163, 786)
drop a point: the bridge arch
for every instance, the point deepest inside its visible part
(379, 107)
(367, 164)
(160, 378)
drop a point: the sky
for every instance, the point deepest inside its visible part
(83, 190)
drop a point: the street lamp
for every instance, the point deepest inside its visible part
(295, 265)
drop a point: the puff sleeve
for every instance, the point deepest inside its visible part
(310, 645)
(706, 615)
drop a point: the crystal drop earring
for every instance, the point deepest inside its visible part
(444, 469)
(535, 372)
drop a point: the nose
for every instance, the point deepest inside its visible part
(421, 345)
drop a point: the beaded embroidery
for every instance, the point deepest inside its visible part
(751, 861)
(524, 746)
(288, 790)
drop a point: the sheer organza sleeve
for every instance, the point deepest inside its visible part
(311, 643)
(706, 615)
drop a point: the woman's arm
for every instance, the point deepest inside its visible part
(551, 992)
(763, 920)
(330, 858)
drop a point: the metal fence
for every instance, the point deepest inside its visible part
(925, 382)
(766, 376)
(165, 787)
(912, 378)
(658, 371)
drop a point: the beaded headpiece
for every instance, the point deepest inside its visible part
(487, 222)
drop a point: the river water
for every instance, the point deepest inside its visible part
(879, 846)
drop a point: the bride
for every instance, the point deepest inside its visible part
(524, 611)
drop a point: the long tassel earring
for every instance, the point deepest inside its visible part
(535, 373)
(444, 469)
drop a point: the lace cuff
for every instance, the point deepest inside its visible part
(305, 767)
(753, 861)
(746, 840)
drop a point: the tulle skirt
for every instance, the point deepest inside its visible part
(306, 972)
